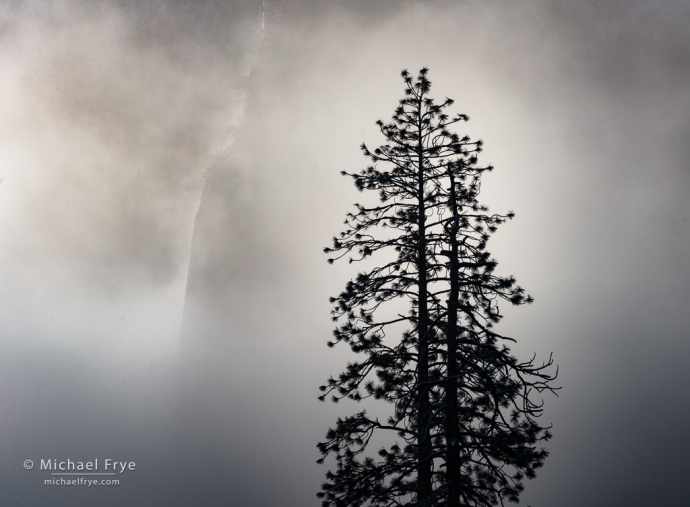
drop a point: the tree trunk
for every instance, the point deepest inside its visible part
(424, 440)
(452, 429)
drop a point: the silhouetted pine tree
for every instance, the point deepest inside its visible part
(464, 421)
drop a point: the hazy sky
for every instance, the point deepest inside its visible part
(119, 121)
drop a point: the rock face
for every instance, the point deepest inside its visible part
(217, 299)
(256, 312)
(225, 437)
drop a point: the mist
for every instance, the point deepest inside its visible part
(167, 185)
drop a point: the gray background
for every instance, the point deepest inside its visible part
(117, 120)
